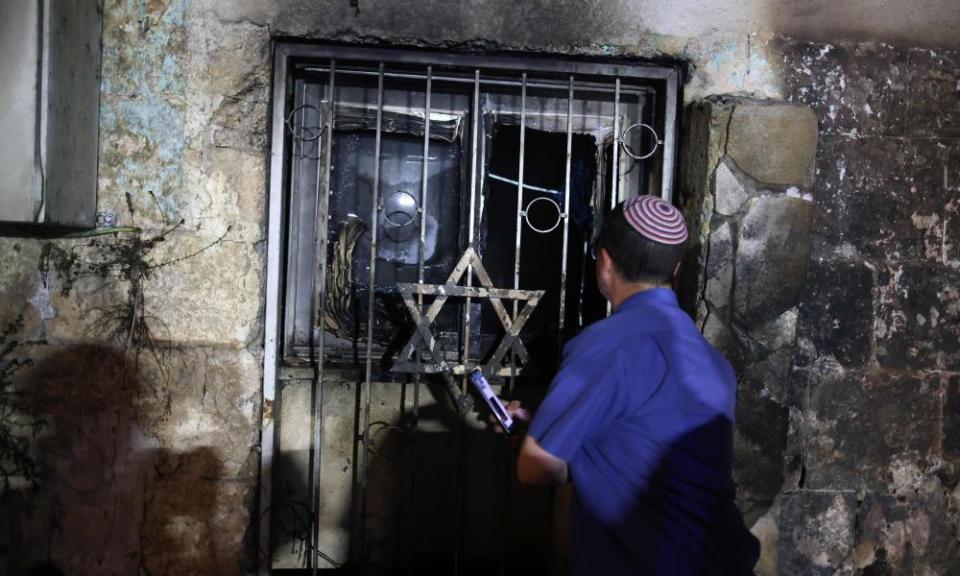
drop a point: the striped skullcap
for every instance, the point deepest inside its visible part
(655, 219)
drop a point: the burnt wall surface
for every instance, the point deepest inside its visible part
(872, 457)
(149, 461)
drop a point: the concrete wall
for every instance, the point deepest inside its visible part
(158, 467)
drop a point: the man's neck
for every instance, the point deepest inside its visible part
(627, 289)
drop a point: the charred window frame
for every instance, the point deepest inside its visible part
(645, 95)
(490, 127)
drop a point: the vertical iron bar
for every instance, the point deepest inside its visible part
(615, 164)
(423, 230)
(519, 225)
(466, 322)
(670, 128)
(615, 175)
(470, 224)
(420, 279)
(319, 304)
(374, 207)
(566, 213)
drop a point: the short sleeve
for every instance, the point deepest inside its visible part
(589, 391)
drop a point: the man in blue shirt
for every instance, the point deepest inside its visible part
(640, 419)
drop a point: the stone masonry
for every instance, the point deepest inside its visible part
(872, 443)
(746, 184)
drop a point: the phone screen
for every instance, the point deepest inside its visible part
(493, 403)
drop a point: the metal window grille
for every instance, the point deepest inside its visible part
(397, 178)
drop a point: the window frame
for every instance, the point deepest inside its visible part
(664, 79)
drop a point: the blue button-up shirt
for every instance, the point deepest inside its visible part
(642, 411)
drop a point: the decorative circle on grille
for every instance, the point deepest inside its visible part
(305, 133)
(629, 151)
(543, 230)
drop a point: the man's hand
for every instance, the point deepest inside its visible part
(520, 415)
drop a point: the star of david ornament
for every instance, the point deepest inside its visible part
(422, 338)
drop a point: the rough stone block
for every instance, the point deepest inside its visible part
(773, 143)
(951, 418)
(729, 194)
(96, 458)
(952, 172)
(759, 445)
(196, 525)
(717, 291)
(877, 195)
(144, 48)
(861, 426)
(817, 531)
(933, 108)
(836, 314)
(861, 88)
(225, 194)
(142, 145)
(210, 297)
(771, 261)
(203, 400)
(767, 531)
(721, 248)
(771, 372)
(910, 533)
(776, 334)
(718, 333)
(918, 317)
(22, 287)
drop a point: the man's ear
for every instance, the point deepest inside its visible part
(604, 261)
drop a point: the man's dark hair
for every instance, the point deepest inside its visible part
(637, 258)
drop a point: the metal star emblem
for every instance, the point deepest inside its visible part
(486, 290)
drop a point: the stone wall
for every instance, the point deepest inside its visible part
(150, 464)
(747, 174)
(872, 457)
(153, 466)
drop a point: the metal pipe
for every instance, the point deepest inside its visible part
(520, 186)
(591, 86)
(615, 164)
(374, 206)
(566, 213)
(423, 228)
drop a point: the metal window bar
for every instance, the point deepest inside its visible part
(319, 304)
(519, 228)
(566, 215)
(375, 202)
(423, 229)
(615, 162)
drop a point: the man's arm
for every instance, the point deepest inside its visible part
(539, 467)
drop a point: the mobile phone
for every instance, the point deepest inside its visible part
(493, 403)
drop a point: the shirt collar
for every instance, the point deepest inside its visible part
(651, 297)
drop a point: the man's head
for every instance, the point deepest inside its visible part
(641, 243)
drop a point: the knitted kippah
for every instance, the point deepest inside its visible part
(655, 219)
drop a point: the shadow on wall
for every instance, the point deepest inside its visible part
(438, 496)
(110, 500)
